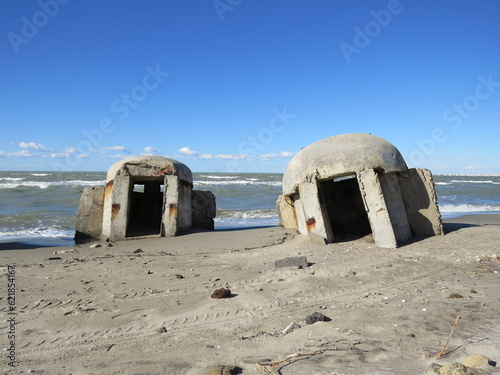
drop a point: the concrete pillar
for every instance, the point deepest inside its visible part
(395, 206)
(89, 219)
(299, 213)
(202, 209)
(171, 206)
(286, 212)
(184, 219)
(316, 227)
(419, 196)
(115, 210)
(376, 208)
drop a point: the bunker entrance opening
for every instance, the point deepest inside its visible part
(342, 202)
(146, 208)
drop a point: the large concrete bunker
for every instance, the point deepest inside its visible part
(144, 196)
(348, 186)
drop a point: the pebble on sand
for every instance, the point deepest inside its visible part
(316, 317)
(221, 293)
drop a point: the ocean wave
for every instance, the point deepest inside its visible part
(219, 177)
(238, 182)
(12, 178)
(40, 174)
(47, 184)
(34, 233)
(450, 208)
(451, 182)
(247, 214)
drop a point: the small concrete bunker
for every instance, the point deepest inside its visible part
(348, 186)
(144, 196)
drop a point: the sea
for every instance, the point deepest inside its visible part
(40, 208)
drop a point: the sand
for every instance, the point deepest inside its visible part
(143, 306)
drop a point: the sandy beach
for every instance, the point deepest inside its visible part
(143, 306)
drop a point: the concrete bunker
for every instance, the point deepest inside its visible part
(144, 196)
(347, 186)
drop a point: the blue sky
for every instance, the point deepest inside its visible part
(242, 85)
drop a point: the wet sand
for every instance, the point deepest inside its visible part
(143, 306)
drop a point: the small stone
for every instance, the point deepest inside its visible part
(290, 328)
(222, 370)
(253, 361)
(138, 251)
(179, 276)
(316, 317)
(95, 245)
(292, 262)
(455, 368)
(478, 360)
(455, 295)
(221, 293)
(162, 330)
(433, 368)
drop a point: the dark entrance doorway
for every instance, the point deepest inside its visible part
(146, 208)
(342, 201)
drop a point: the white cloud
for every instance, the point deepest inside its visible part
(187, 151)
(232, 157)
(34, 146)
(22, 153)
(206, 156)
(283, 154)
(115, 148)
(472, 167)
(150, 150)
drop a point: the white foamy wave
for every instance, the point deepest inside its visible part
(475, 182)
(34, 233)
(450, 208)
(46, 184)
(238, 182)
(39, 174)
(219, 177)
(11, 178)
(250, 214)
(246, 219)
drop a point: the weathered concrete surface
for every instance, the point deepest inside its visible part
(376, 207)
(340, 155)
(349, 185)
(144, 195)
(150, 166)
(395, 206)
(419, 196)
(203, 209)
(286, 212)
(89, 218)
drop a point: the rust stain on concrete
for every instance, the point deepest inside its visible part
(115, 208)
(108, 188)
(172, 210)
(311, 224)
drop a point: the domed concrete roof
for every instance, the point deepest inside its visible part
(341, 155)
(150, 165)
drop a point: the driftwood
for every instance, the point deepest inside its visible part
(445, 347)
